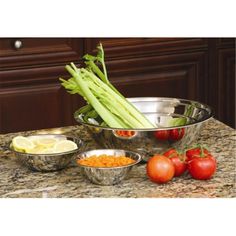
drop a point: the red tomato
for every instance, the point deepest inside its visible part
(160, 169)
(178, 161)
(196, 152)
(176, 134)
(170, 153)
(202, 167)
(162, 134)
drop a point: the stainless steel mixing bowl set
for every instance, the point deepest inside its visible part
(168, 114)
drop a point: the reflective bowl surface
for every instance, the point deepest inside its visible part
(178, 122)
(48, 162)
(108, 175)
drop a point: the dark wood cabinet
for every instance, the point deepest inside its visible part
(201, 69)
(38, 52)
(30, 93)
(157, 67)
(193, 68)
(226, 86)
(221, 90)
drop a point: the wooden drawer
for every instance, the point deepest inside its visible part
(32, 76)
(118, 48)
(39, 52)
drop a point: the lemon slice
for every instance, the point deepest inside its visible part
(47, 151)
(64, 146)
(21, 143)
(34, 139)
(36, 150)
(46, 142)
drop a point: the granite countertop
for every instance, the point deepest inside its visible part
(18, 181)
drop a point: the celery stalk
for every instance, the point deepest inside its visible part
(123, 102)
(102, 97)
(101, 58)
(101, 110)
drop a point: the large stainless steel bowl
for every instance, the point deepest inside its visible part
(48, 162)
(108, 175)
(180, 119)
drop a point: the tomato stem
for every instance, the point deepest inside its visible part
(201, 151)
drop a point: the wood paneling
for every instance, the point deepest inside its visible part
(226, 87)
(30, 93)
(225, 42)
(157, 63)
(135, 64)
(133, 47)
(193, 68)
(28, 107)
(32, 76)
(172, 84)
(39, 52)
(221, 92)
(159, 76)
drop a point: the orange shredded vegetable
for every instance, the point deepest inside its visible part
(125, 133)
(106, 161)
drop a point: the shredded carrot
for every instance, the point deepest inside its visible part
(106, 161)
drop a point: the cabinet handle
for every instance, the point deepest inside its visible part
(18, 44)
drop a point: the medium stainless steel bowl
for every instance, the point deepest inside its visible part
(108, 175)
(48, 162)
(178, 122)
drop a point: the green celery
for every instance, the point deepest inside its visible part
(101, 110)
(136, 115)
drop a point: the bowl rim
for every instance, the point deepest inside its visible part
(80, 141)
(209, 116)
(109, 168)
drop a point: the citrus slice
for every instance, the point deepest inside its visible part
(21, 143)
(36, 138)
(46, 142)
(47, 151)
(64, 146)
(36, 150)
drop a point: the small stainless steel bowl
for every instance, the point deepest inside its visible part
(108, 175)
(48, 162)
(159, 111)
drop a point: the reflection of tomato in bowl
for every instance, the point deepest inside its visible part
(172, 134)
(125, 134)
(178, 123)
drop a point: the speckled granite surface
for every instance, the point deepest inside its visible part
(17, 181)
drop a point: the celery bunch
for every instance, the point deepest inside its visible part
(105, 103)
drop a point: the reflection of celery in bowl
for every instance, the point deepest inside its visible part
(177, 121)
(186, 119)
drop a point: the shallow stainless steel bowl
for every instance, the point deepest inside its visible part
(48, 162)
(108, 175)
(188, 116)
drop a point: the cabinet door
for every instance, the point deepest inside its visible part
(34, 99)
(157, 67)
(222, 79)
(30, 92)
(35, 107)
(226, 86)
